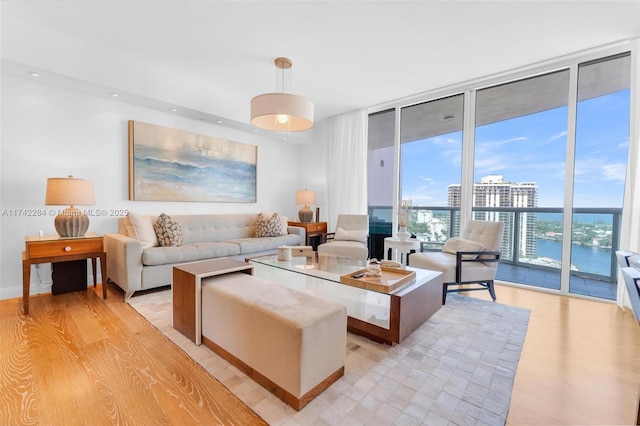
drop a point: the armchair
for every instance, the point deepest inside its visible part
(350, 238)
(471, 258)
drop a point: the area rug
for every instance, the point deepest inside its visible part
(458, 367)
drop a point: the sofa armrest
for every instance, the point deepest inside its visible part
(298, 231)
(124, 261)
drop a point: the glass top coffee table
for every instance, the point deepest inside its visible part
(386, 317)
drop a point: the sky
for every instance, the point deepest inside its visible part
(531, 148)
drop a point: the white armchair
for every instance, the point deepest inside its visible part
(471, 258)
(350, 239)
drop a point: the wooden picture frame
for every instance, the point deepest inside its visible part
(175, 165)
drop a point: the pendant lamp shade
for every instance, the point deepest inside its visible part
(282, 112)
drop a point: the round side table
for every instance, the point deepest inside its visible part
(400, 250)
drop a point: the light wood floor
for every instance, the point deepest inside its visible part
(78, 359)
(580, 364)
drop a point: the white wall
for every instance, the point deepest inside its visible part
(53, 132)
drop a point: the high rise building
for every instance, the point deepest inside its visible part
(493, 191)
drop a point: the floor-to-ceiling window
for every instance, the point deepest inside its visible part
(545, 153)
(519, 164)
(432, 130)
(601, 151)
(380, 179)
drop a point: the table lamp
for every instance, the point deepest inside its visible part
(304, 198)
(71, 222)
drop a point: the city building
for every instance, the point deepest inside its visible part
(493, 191)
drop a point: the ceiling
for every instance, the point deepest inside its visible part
(207, 59)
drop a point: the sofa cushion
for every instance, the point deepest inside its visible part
(169, 232)
(256, 245)
(143, 230)
(188, 253)
(271, 227)
(349, 249)
(446, 263)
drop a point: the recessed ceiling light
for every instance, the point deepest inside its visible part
(174, 109)
(114, 94)
(255, 130)
(33, 74)
(219, 121)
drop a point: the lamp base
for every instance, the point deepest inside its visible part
(71, 223)
(305, 214)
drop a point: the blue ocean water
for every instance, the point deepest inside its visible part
(200, 178)
(589, 259)
(578, 217)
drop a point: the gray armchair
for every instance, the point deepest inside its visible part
(471, 258)
(350, 239)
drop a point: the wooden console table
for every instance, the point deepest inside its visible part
(312, 229)
(53, 248)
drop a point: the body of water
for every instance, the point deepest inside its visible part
(589, 259)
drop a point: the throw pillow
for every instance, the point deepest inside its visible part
(283, 219)
(457, 244)
(271, 227)
(168, 231)
(356, 235)
(143, 230)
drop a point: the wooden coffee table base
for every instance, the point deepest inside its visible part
(410, 308)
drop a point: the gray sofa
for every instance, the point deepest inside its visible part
(134, 265)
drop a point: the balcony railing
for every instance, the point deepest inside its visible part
(532, 241)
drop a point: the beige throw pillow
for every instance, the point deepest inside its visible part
(143, 230)
(343, 235)
(457, 244)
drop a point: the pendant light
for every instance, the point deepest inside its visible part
(282, 112)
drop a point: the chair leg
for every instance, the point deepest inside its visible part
(445, 286)
(492, 290)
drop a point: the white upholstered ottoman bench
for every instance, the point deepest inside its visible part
(290, 342)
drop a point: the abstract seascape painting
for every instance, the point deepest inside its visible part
(174, 165)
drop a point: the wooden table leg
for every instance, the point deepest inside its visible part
(103, 272)
(26, 283)
(93, 270)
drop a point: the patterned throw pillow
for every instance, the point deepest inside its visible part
(268, 228)
(169, 232)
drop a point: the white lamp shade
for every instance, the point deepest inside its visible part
(69, 192)
(305, 197)
(282, 112)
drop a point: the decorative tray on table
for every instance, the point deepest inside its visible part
(391, 279)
